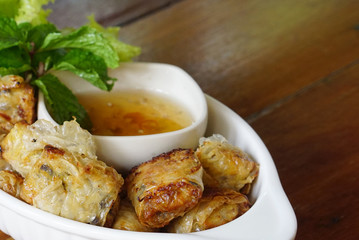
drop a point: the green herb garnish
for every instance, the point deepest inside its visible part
(31, 47)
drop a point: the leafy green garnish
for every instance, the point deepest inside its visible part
(37, 34)
(25, 10)
(88, 66)
(124, 51)
(60, 101)
(31, 46)
(14, 61)
(10, 33)
(31, 11)
(85, 38)
(9, 8)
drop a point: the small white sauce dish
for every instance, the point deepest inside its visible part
(125, 152)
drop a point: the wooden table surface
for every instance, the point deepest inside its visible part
(290, 68)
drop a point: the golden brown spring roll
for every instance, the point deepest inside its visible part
(23, 146)
(11, 182)
(127, 219)
(226, 164)
(216, 207)
(17, 100)
(166, 187)
(111, 216)
(64, 178)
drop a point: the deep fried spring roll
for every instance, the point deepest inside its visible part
(68, 181)
(11, 182)
(111, 216)
(166, 187)
(216, 207)
(23, 146)
(17, 100)
(227, 164)
(127, 219)
(72, 187)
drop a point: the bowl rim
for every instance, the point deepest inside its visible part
(201, 119)
(271, 199)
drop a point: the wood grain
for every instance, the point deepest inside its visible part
(314, 140)
(4, 236)
(71, 13)
(261, 51)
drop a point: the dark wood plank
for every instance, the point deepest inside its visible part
(73, 13)
(250, 54)
(314, 140)
(4, 236)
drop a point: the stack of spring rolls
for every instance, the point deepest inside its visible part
(185, 191)
(55, 168)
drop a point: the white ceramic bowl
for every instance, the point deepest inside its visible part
(270, 217)
(125, 152)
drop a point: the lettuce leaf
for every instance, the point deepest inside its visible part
(31, 11)
(9, 8)
(124, 51)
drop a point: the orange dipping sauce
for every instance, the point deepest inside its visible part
(133, 112)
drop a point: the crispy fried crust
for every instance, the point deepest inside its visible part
(65, 185)
(112, 214)
(68, 181)
(127, 219)
(11, 182)
(17, 102)
(166, 187)
(226, 164)
(216, 207)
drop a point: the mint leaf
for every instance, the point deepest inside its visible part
(14, 61)
(24, 28)
(48, 58)
(124, 51)
(61, 103)
(38, 33)
(10, 34)
(87, 66)
(85, 38)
